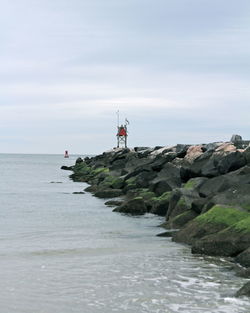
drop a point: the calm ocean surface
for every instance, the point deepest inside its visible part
(62, 252)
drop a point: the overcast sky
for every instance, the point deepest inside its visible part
(179, 70)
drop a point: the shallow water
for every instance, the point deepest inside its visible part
(62, 252)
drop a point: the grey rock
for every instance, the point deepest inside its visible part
(79, 160)
(244, 291)
(244, 258)
(227, 243)
(108, 193)
(113, 203)
(160, 186)
(134, 207)
(143, 179)
(236, 138)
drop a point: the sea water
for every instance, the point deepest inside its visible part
(62, 252)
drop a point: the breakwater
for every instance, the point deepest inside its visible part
(202, 190)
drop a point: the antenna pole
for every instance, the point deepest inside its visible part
(118, 118)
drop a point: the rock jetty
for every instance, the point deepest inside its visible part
(203, 191)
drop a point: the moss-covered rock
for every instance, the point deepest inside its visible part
(112, 182)
(130, 181)
(135, 206)
(165, 196)
(81, 172)
(181, 219)
(118, 183)
(180, 207)
(159, 205)
(99, 170)
(232, 239)
(85, 173)
(221, 214)
(146, 194)
(108, 193)
(225, 243)
(195, 183)
(114, 203)
(92, 188)
(212, 222)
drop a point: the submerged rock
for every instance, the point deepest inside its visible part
(67, 168)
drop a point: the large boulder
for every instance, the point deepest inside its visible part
(230, 162)
(79, 160)
(144, 179)
(180, 220)
(195, 183)
(195, 230)
(202, 165)
(236, 138)
(167, 179)
(158, 163)
(244, 258)
(244, 291)
(213, 186)
(183, 199)
(118, 165)
(234, 236)
(193, 153)
(209, 225)
(159, 205)
(225, 159)
(238, 180)
(238, 195)
(159, 186)
(135, 206)
(181, 150)
(227, 243)
(134, 163)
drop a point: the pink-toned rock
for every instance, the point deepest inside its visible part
(193, 152)
(226, 147)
